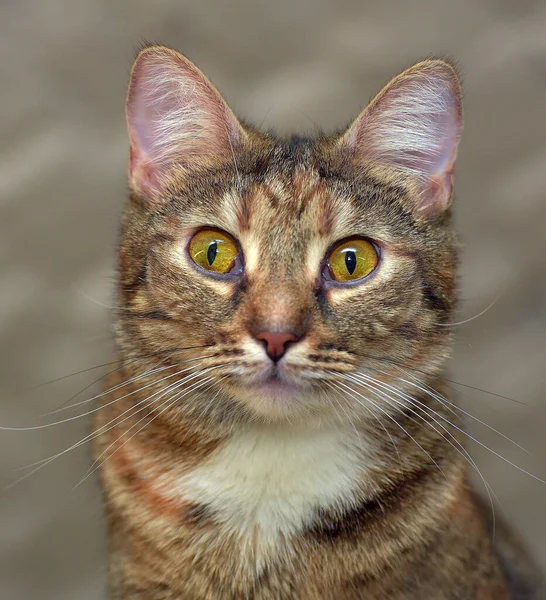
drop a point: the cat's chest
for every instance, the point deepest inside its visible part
(270, 482)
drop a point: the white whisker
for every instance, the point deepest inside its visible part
(395, 422)
(164, 392)
(482, 312)
(104, 428)
(443, 400)
(427, 410)
(46, 425)
(395, 447)
(169, 403)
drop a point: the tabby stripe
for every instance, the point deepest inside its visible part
(159, 504)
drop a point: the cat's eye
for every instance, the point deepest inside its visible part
(352, 259)
(214, 251)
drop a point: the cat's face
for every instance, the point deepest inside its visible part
(305, 279)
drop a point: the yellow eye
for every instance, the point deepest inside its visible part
(213, 250)
(352, 259)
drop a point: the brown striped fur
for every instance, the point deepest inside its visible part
(407, 526)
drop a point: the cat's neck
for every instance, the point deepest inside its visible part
(257, 475)
(258, 487)
(274, 478)
(268, 477)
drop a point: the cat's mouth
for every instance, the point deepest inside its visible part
(274, 385)
(273, 390)
(277, 385)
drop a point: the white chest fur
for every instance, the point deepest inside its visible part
(269, 481)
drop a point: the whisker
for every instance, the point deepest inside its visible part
(398, 425)
(496, 453)
(428, 410)
(169, 404)
(420, 371)
(345, 413)
(116, 420)
(463, 453)
(482, 312)
(104, 305)
(100, 431)
(175, 386)
(120, 360)
(443, 400)
(395, 447)
(132, 380)
(211, 400)
(46, 425)
(63, 405)
(113, 389)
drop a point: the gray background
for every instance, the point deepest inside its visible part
(291, 64)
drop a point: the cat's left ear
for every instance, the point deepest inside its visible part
(177, 121)
(413, 127)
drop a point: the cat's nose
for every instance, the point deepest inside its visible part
(276, 343)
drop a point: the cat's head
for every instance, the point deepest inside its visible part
(288, 278)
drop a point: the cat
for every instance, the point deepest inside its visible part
(279, 427)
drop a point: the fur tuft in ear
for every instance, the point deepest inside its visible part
(177, 120)
(414, 126)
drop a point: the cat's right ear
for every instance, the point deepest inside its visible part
(177, 121)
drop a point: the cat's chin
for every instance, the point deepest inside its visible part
(277, 389)
(274, 396)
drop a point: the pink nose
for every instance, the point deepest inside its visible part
(276, 343)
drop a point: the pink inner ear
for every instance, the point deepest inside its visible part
(415, 126)
(175, 118)
(154, 99)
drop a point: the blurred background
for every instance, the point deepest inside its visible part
(288, 65)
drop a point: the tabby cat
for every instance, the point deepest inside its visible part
(279, 428)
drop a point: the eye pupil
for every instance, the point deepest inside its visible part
(212, 252)
(350, 261)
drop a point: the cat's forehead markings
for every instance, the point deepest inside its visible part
(244, 212)
(276, 191)
(315, 256)
(313, 196)
(267, 195)
(231, 202)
